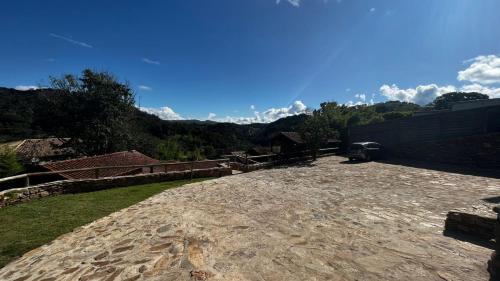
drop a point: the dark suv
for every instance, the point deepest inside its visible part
(365, 151)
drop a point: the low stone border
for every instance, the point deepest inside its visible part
(494, 262)
(21, 195)
(481, 227)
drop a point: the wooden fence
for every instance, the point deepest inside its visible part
(151, 168)
(244, 163)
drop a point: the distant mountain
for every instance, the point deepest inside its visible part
(193, 121)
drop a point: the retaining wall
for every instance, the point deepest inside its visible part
(21, 195)
(494, 262)
(479, 150)
(469, 137)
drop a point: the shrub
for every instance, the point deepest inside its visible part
(8, 162)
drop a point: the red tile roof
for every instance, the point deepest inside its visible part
(43, 148)
(124, 158)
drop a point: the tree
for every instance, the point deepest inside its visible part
(95, 111)
(170, 150)
(395, 106)
(396, 115)
(318, 128)
(8, 162)
(445, 101)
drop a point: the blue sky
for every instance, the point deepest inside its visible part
(257, 60)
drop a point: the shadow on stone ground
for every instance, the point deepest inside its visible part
(450, 168)
(490, 244)
(349, 162)
(494, 199)
(301, 164)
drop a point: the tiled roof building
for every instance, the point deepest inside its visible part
(123, 158)
(41, 150)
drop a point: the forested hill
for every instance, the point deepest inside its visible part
(48, 112)
(26, 114)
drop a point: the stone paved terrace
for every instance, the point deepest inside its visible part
(328, 221)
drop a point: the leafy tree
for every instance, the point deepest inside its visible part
(183, 148)
(209, 151)
(445, 101)
(395, 106)
(170, 150)
(8, 162)
(94, 110)
(396, 115)
(332, 120)
(318, 128)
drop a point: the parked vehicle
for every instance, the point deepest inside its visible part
(365, 151)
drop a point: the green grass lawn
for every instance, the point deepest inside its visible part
(27, 226)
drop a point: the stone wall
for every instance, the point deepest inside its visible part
(433, 127)
(21, 195)
(466, 137)
(479, 150)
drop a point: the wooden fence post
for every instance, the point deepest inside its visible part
(166, 168)
(151, 169)
(192, 163)
(27, 181)
(96, 171)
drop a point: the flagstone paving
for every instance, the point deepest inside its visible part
(325, 221)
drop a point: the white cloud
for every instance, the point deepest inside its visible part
(270, 115)
(165, 113)
(252, 107)
(26, 88)
(491, 92)
(79, 43)
(144, 88)
(483, 70)
(295, 3)
(238, 120)
(372, 10)
(361, 100)
(149, 61)
(273, 114)
(362, 97)
(352, 103)
(421, 95)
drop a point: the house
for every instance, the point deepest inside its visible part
(258, 150)
(36, 151)
(287, 142)
(123, 158)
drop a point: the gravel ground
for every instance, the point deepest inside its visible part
(323, 221)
